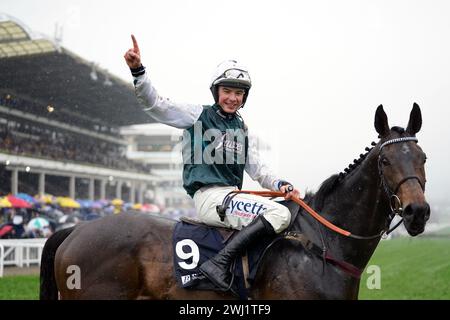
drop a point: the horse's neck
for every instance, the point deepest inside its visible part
(358, 205)
(364, 212)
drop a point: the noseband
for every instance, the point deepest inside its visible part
(394, 201)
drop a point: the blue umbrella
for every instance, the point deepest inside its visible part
(127, 205)
(85, 203)
(26, 197)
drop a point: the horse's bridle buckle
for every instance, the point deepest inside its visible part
(396, 204)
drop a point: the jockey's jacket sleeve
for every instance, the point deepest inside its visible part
(257, 169)
(178, 115)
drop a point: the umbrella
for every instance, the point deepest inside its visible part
(85, 203)
(45, 198)
(5, 229)
(98, 204)
(66, 202)
(127, 205)
(117, 202)
(137, 206)
(26, 197)
(148, 207)
(18, 203)
(38, 223)
(4, 203)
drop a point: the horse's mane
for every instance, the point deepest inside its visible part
(333, 181)
(324, 190)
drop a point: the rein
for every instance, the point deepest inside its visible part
(314, 214)
(395, 202)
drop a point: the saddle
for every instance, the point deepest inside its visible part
(195, 242)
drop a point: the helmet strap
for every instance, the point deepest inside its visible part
(224, 114)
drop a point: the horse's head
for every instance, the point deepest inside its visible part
(401, 167)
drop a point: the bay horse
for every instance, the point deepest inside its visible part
(129, 256)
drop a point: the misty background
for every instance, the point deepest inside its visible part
(319, 68)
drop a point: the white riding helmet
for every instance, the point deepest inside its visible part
(230, 73)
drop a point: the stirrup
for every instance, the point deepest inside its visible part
(229, 286)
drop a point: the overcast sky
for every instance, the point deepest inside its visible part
(319, 68)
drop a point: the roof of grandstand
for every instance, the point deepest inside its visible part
(40, 70)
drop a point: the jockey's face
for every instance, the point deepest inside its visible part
(230, 99)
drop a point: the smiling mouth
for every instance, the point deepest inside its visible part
(232, 107)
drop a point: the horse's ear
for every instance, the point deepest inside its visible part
(415, 120)
(381, 121)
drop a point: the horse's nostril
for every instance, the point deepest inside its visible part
(427, 213)
(408, 211)
(417, 210)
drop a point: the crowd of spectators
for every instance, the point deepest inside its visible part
(20, 223)
(16, 223)
(28, 139)
(51, 112)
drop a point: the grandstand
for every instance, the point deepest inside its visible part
(159, 146)
(60, 119)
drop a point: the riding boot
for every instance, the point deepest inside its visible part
(217, 269)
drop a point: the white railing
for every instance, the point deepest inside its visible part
(20, 252)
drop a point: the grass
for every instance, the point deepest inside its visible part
(19, 287)
(410, 268)
(442, 232)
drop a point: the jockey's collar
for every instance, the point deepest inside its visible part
(224, 114)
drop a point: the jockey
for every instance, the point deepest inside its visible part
(210, 176)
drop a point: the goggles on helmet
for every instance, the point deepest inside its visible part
(234, 75)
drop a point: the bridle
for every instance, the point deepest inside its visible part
(394, 201)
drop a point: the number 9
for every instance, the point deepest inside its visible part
(194, 253)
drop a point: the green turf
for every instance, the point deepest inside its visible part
(410, 268)
(19, 287)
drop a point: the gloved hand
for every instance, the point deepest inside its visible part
(288, 189)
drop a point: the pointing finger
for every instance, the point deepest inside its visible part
(135, 44)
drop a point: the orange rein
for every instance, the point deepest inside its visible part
(301, 203)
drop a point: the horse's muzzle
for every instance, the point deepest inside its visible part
(415, 216)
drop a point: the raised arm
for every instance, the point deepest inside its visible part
(178, 115)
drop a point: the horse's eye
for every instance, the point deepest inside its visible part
(385, 162)
(424, 158)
